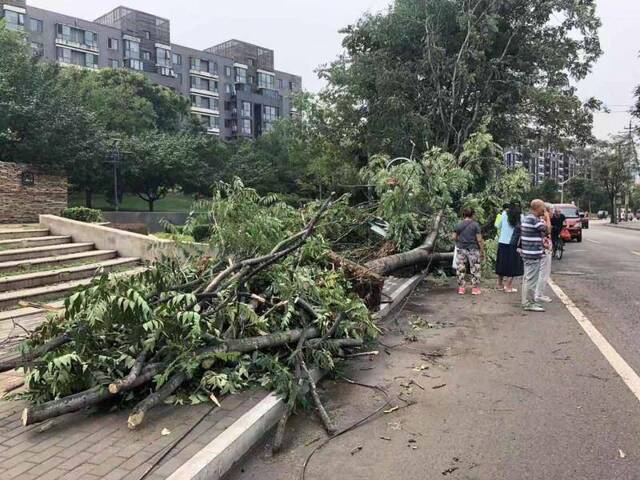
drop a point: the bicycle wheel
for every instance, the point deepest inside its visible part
(560, 249)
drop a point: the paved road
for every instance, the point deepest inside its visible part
(515, 396)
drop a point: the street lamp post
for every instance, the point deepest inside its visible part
(562, 184)
(114, 158)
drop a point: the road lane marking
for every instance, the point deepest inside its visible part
(622, 368)
(593, 241)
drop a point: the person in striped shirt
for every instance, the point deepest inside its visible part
(533, 234)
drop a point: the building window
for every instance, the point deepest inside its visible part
(134, 64)
(146, 55)
(246, 109)
(252, 80)
(179, 76)
(37, 49)
(269, 115)
(203, 84)
(114, 44)
(163, 57)
(280, 83)
(241, 75)
(246, 126)
(251, 62)
(73, 57)
(76, 35)
(114, 63)
(228, 89)
(35, 25)
(266, 81)
(147, 34)
(15, 20)
(177, 59)
(227, 71)
(131, 49)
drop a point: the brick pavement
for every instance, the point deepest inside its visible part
(98, 446)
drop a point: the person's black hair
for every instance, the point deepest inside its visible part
(468, 212)
(514, 214)
(505, 206)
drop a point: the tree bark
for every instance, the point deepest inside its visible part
(156, 398)
(387, 265)
(78, 401)
(251, 344)
(322, 413)
(88, 198)
(23, 359)
(118, 385)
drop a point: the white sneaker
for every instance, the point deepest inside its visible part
(544, 299)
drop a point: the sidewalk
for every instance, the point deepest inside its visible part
(483, 391)
(96, 445)
(625, 225)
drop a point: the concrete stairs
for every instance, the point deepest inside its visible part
(36, 267)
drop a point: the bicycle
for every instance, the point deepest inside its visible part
(558, 249)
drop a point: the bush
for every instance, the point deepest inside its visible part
(83, 214)
(201, 233)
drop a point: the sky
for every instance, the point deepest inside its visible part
(304, 35)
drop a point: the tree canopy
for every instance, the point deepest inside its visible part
(428, 74)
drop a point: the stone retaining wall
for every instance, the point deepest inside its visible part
(23, 203)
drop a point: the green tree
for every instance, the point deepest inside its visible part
(612, 169)
(41, 121)
(425, 74)
(127, 103)
(547, 191)
(157, 162)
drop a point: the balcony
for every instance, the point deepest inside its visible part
(206, 93)
(62, 42)
(202, 73)
(166, 71)
(133, 64)
(204, 111)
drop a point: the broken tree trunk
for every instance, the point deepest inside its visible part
(156, 398)
(387, 265)
(251, 344)
(78, 401)
(367, 283)
(118, 385)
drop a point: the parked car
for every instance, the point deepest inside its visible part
(574, 222)
(584, 216)
(603, 214)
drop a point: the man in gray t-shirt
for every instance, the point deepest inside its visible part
(470, 248)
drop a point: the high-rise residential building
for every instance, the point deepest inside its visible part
(542, 164)
(233, 87)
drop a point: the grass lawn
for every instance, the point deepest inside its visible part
(173, 202)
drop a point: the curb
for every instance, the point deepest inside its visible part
(623, 227)
(216, 458)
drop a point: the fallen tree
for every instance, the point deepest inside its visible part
(265, 305)
(416, 256)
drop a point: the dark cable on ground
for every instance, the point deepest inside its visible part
(359, 423)
(170, 448)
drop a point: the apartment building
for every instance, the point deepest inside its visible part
(542, 164)
(233, 87)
